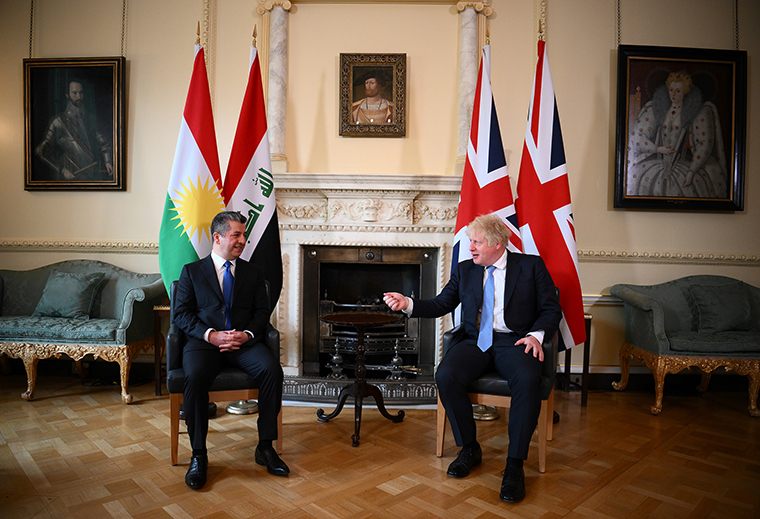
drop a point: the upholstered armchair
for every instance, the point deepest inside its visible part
(702, 321)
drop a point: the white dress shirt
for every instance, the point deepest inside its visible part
(220, 268)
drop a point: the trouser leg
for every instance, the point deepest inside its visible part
(260, 363)
(523, 372)
(201, 367)
(462, 364)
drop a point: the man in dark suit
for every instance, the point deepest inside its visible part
(523, 309)
(222, 306)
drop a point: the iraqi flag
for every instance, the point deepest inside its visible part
(485, 181)
(543, 202)
(194, 195)
(249, 183)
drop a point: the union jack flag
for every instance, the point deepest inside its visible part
(485, 181)
(543, 202)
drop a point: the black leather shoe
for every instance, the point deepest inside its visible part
(512, 485)
(467, 458)
(267, 456)
(196, 474)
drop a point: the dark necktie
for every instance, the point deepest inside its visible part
(227, 283)
(485, 335)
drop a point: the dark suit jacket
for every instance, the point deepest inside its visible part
(531, 302)
(200, 304)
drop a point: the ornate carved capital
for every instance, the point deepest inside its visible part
(483, 7)
(267, 5)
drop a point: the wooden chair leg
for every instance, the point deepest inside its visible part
(278, 443)
(440, 429)
(175, 400)
(544, 419)
(550, 417)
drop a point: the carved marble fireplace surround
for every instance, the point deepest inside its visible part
(357, 210)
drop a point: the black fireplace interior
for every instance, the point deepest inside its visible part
(353, 279)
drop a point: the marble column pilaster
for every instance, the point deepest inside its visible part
(277, 82)
(472, 37)
(468, 76)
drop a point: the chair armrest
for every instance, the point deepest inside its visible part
(551, 354)
(174, 340)
(272, 339)
(449, 336)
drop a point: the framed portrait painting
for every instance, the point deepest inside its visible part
(681, 128)
(74, 124)
(373, 95)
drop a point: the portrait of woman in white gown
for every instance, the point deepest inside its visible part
(675, 146)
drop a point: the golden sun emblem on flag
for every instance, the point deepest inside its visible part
(196, 206)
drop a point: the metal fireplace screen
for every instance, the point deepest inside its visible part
(352, 279)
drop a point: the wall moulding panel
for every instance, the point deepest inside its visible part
(319, 210)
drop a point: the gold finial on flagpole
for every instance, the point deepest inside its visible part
(198, 37)
(488, 38)
(254, 35)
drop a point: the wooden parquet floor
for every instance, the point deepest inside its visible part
(78, 451)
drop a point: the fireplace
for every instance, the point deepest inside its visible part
(397, 231)
(348, 279)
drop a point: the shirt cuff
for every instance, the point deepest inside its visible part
(409, 306)
(206, 335)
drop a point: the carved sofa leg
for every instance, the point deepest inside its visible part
(126, 356)
(704, 382)
(626, 352)
(30, 364)
(659, 373)
(754, 386)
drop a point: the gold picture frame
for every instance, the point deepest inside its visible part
(373, 95)
(74, 124)
(681, 129)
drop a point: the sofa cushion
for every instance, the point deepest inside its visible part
(69, 294)
(57, 329)
(716, 344)
(722, 308)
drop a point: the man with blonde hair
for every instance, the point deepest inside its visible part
(509, 303)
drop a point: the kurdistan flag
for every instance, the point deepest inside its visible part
(194, 196)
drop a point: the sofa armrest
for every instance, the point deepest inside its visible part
(146, 293)
(644, 320)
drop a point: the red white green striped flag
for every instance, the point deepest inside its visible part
(194, 196)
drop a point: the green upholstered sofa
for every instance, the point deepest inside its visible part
(702, 321)
(77, 308)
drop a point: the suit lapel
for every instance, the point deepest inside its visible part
(241, 273)
(513, 274)
(474, 278)
(209, 272)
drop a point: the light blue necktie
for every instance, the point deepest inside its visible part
(485, 335)
(227, 283)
